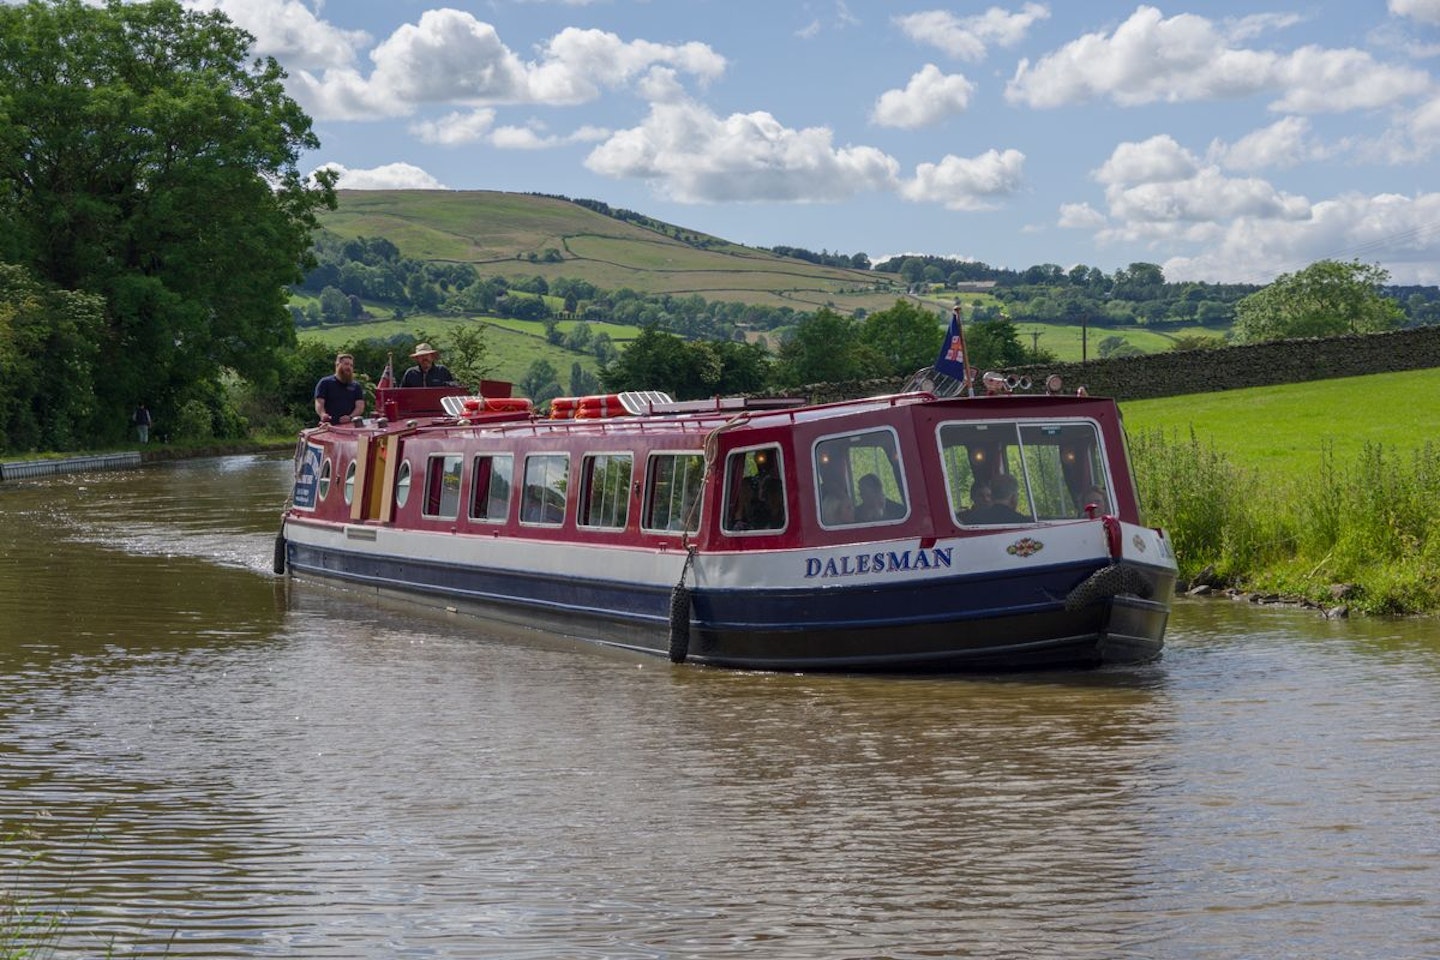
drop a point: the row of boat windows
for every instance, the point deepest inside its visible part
(995, 473)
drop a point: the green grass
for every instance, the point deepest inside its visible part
(1282, 431)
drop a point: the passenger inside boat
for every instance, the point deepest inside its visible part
(758, 498)
(874, 505)
(1004, 494)
(1093, 502)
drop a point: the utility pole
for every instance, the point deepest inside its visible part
(1035, 346)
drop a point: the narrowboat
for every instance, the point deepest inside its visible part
(909, 532)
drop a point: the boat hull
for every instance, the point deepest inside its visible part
(965, 622)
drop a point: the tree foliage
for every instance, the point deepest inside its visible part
(1325, 299)
(904, 338)
(148, 159)
(49, 361)
(657, 360)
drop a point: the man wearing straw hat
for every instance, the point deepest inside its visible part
(426, 372)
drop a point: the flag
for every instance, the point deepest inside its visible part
(951, 361)
(387, 379)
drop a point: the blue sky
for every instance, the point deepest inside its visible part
(1224, 141)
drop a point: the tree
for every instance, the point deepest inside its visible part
(48, 338)
(994, 345)
(824, 348)
(541, 383)
(149, 159)
(1325, 299)
(905, 337)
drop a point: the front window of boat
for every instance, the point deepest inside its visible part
(490, 483)
(1007, 473)
(858, 479)
(442, 486)
(672, 497)
(350, 483)
(547, 477)
(325, 473)
(754, 491)
(606, 499)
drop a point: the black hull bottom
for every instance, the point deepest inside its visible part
(1123, 629)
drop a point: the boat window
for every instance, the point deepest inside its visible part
(858, 479)
(442, 486)
(350, 483)
(547, 477)
(1008, 473)
(754, 490)
(672, 494)
(606, 498)
(402, 484)
(490, 483)
(324, 484)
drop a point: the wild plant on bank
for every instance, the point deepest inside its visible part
(1373, 523)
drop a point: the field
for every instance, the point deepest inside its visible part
(1282, 431)
(500, 233)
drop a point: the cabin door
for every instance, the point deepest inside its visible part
(376, 462)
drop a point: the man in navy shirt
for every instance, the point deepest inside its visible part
(338, 397)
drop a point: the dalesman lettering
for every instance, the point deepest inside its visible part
(885, 561)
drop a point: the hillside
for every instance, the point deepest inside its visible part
(522, 235)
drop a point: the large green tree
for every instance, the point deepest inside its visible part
(904, 338)
(657, 360)
(1325, 299)
(147, 158)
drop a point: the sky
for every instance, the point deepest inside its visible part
(1227, 142)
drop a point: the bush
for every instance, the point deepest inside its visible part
(193, 423)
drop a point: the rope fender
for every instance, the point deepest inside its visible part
(1106, 582)
(680, 613)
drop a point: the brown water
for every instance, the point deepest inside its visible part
(198, 759)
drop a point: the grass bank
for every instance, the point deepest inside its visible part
(1297, 489)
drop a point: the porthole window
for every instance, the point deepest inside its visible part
(350, 483)
(402, 484)
(324, 484)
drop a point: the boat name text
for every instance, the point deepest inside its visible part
(884, 561)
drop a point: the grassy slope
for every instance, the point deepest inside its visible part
(1280, 431)
(496, 232)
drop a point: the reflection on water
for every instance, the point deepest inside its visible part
(208, 761)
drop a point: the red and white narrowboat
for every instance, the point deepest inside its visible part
(767, 534)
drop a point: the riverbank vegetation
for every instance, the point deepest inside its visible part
(1306, 491)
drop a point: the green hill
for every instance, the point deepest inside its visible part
(512, 234)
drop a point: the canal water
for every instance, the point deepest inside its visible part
(200, 759)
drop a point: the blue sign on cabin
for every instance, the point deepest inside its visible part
(307, 478)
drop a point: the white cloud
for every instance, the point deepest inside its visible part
(1080, 216)
(1151, 59)
(288, 31)
(455, 128)
(1426, 11)
(534, 137)
(1255, 24)
(692, 156)
(1207, 197)
(967, 183)
(391, 176)
(1157, 160)
(966, 38)
(928, 98)
(1400, 231)
(1284, 143)
(449, 56)
(1317, 81)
